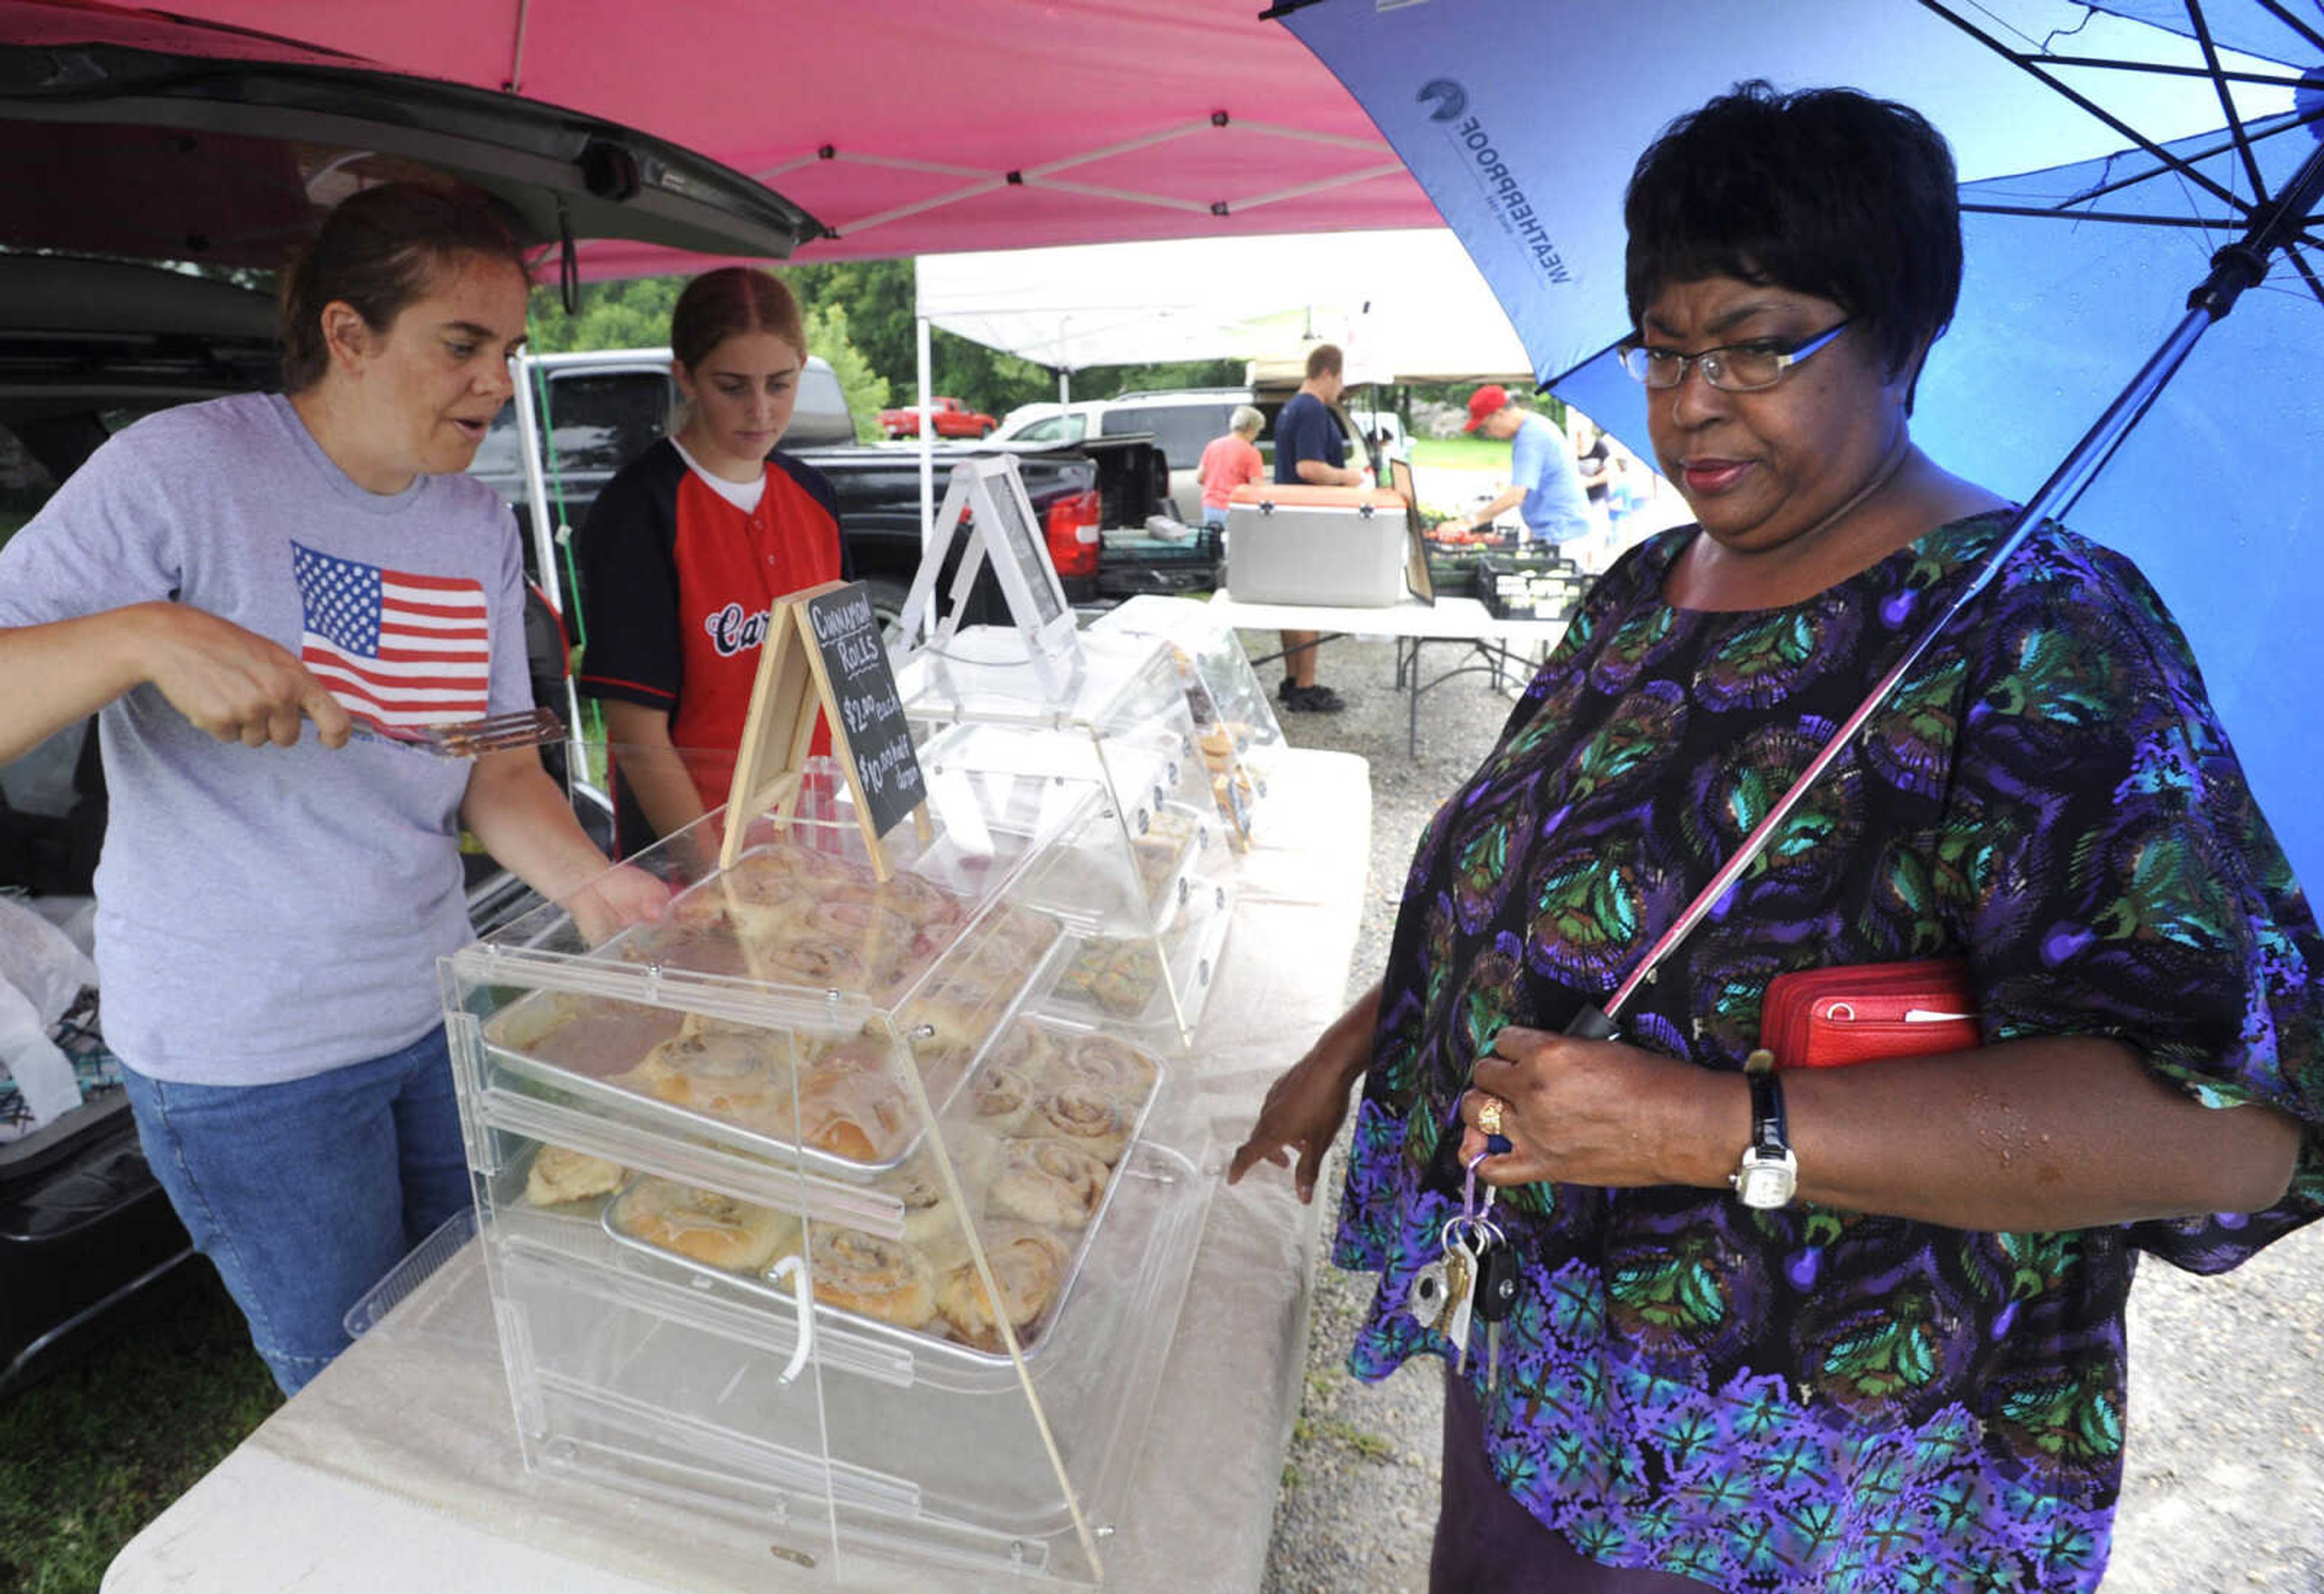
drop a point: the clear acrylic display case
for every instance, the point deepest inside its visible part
(1147, 882)
(1235, 725)
(814, 1204)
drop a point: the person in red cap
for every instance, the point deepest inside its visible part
(1545, 486)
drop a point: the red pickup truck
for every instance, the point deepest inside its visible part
(952, 418)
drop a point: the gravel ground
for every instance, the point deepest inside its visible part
(2225, 1485)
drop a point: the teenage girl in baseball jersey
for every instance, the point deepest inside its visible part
(686, 550)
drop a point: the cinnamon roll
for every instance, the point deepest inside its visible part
(890, 1280)
(851, 1105)
(819, 963)
(1000, 1095)
(706, 1225)
(930, 1217)
(769, 872)
(1030, 1266)
(745, 1078)
(1104, 1063)
(919, 902)
(1082, 1116)
(1023, 1045)
(1046, 1182)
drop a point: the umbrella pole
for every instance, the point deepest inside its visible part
(2239, 267)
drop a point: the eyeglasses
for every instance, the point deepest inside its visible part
(1734, 368)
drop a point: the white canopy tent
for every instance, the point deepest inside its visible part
(1404, 306)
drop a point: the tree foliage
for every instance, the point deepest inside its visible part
(867, 391)
(860, 316)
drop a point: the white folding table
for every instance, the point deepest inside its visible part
(1502, 647)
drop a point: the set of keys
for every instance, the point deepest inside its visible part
(1474, 1280)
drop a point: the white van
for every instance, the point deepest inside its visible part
(1181, 420)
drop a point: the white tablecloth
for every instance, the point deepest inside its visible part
(397, 1469)
(1449, 619)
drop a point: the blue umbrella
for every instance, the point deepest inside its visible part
(2107, 152)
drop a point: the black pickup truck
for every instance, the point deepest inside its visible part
(601, 409)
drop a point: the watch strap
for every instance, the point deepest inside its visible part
(1770, 1135)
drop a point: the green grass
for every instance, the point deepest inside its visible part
(1460, 453)
(150, 1400)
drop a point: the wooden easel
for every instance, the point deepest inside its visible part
(794, 687)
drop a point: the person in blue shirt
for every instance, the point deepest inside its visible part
(1544, 484)
(1311, 448)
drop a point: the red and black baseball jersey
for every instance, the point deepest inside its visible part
(677, 583)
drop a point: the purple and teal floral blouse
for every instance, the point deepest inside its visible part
(1811, 1398)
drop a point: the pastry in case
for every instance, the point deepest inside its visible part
(1029, 1265)
(1035, 1197)
(1119, 976)
(702, 1225)
(558, 1176)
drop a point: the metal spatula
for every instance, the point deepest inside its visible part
(474, 738)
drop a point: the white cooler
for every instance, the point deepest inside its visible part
(1338, 546)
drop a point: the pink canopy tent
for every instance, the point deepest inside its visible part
(920, 126)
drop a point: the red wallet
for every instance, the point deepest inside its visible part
(1863, 1012)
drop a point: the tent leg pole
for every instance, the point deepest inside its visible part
(925, 349)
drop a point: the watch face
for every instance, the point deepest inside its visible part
(1768, 1183)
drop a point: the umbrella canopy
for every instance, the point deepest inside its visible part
(2081, 246)
(920, 126)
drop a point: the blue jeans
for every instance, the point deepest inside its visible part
(1214, 517)
(305, 1194)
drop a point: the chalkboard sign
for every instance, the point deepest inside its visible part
(867, 715)
(1018, 541)
(824, 659)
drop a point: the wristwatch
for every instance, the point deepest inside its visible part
(1769, 1174)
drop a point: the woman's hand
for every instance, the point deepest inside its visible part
(233, 683)
(621, 896)
(1304, 1108)
(1598, 1112)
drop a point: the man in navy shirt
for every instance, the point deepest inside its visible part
(1310, 448)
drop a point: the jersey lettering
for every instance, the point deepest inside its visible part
(733, 632)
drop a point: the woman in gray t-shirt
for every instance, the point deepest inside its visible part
(254, 595)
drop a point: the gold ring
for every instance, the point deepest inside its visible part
(1489, 1116)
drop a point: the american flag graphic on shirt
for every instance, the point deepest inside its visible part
(394, 649)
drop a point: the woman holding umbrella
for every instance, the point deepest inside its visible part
(1829, 1329)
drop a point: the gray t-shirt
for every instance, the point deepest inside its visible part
(267, 914)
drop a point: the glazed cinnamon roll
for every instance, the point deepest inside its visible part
(819, 963)
(780, 868)
(851, 1105)
(745, 1078)
(1046, 1182)
(1082, 1116)
(918, 900)
(1104, 1063)
(890, 1280)
(709, 1227)
(1027, 1262)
